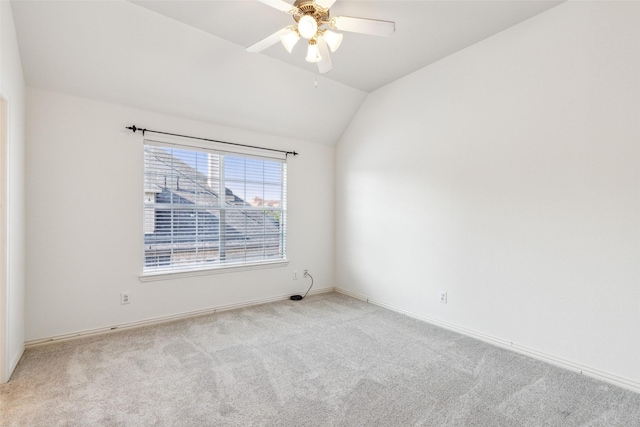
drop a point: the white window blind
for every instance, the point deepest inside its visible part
(206, 209)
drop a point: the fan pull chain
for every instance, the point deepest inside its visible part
(316, 82)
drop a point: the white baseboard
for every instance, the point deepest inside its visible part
(159, 320)
(554, 360)
(549, 358)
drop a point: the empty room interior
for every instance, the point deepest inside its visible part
(347, 213)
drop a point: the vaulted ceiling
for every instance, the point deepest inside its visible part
(188, 58)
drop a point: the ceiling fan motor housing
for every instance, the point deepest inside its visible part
(310, 8)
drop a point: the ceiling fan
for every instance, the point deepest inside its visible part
(314, 24)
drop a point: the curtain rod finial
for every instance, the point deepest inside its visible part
(134, 129)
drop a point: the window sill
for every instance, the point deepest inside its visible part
(169, 275)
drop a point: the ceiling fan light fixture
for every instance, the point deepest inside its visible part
(307, 27)
(289, 39)
(333, 39)
(314, 25)
(313, 54)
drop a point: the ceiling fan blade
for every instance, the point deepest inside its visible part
(282, 6)
(324, 65)
(325, 4)
(267, 42)
(364, 26)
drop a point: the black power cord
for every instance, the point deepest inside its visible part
(299, 297)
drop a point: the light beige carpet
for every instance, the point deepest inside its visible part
(328, 360)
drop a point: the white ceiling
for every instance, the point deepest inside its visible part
(187, 58)
(426, 31)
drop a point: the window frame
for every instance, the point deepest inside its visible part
(203, 268)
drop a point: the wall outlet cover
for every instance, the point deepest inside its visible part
(124, 298)
(443, 297)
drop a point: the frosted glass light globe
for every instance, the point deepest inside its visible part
(313, 54)
(289, 39)
(307, 27)
(332, 39)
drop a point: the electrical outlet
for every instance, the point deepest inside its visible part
(295, 274)
(124, 298)
(443, 297)
(306, 273)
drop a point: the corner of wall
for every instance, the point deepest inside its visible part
(13, 89)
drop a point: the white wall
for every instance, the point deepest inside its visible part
(508, 175)
(84, 216)
(13, 90)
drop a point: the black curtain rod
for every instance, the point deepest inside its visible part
(134, 129)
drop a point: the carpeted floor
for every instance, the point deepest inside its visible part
(329, 360)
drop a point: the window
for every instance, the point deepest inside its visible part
(206, 209)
